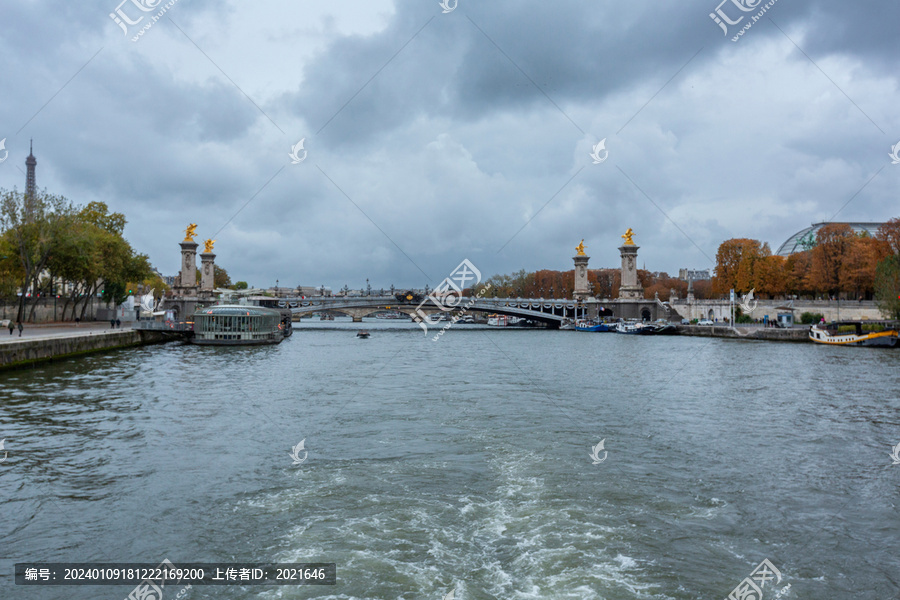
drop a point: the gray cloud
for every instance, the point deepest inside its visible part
(450, 149)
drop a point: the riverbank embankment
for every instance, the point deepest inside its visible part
(795, 334)
(27, 352)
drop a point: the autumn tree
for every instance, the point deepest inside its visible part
(889, 233)
(796, 273)
(736, 264)
(828, 257)
(770, 276)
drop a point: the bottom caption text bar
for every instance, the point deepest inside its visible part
(167, 573)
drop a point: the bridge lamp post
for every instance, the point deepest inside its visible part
(551, 293)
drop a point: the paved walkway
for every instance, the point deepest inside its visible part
(35, 332)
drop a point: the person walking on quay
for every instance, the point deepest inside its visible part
(112, 323)
(12, 326)
(118, 324)
(77, 321)
(20, 328)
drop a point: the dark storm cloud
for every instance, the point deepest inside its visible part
(454, 132)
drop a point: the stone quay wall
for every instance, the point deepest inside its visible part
(796, 334)
(846, 310)
(29, 352)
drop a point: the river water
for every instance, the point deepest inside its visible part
(463, 464)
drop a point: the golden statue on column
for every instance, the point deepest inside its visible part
(190, 233)
(580, 249)
(629, 235)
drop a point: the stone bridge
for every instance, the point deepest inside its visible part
(552, 312)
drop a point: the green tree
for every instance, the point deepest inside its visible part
(241, 285)
(221, 277)
(887, 286)
(30, 225)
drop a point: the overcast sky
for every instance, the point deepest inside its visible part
(432, 137)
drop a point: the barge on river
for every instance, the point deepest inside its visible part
(856, 333)
(239, 325)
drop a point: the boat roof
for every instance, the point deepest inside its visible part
(236, 310)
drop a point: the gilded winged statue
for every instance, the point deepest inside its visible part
(190, 233)
(580, 249)
(208, 245)
(629, 235)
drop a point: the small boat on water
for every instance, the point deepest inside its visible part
(856, 333)
(629, 327)
(497, 320)
(659, 327)
(592, 326)
(363, 335)
(391, 315)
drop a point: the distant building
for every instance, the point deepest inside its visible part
(169, 280)
(693, 274)
(306, 290)
(805, 239)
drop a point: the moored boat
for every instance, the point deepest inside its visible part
(363, 335)
(237, 325)
(856, 333)
(497, 320)
(658, 327)
(629, 327)
(592, 326)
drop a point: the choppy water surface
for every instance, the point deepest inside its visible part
(464, 464)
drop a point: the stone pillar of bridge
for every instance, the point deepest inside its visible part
(187, 277)
(630, 287)
(207, 272)
(582, 289)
